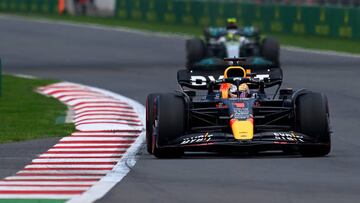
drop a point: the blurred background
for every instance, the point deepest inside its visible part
(325, 18)
(313, 2)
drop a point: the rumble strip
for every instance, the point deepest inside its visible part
(84, 166)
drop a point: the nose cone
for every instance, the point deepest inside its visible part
(242, 129)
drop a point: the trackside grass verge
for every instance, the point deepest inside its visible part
(310, 42)
(25, 114)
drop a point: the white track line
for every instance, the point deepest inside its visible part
(125, 164)
(82, 166)
(129, 159)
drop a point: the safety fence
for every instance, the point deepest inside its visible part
(344, 3)
(30, 6)
(326, 21)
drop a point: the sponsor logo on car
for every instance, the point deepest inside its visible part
(197, 139)
(202, 80)
(291, 136)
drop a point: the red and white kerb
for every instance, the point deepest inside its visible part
(106, 127)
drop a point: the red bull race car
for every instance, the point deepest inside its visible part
(213, 112)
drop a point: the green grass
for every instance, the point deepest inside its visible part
(311, 42)
(25, 114)
(321, 43)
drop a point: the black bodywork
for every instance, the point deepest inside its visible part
(207, 115)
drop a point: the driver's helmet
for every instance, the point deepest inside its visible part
(229, 90)
(231, 24)
(243, 90)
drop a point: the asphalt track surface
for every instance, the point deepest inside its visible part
(137, 64)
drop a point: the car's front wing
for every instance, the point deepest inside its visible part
(225, 142)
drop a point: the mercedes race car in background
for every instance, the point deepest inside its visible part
(201, 116)
(231, 42)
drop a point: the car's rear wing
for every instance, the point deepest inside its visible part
(200, 78)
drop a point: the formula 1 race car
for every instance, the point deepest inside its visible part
(204, 115)
(222, 43)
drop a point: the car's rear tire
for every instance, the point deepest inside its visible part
(170, 125)
(195, 51)
(150, 118)
(270, 50)
(312, 114)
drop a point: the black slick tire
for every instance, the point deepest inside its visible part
(270, 50)
(170, 125)
(312, 114)
(150, 118)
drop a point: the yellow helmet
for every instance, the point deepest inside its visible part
(231, 23)
(231, 20)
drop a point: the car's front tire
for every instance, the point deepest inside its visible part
(312, 114)
(170, 124)
(150, 118)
